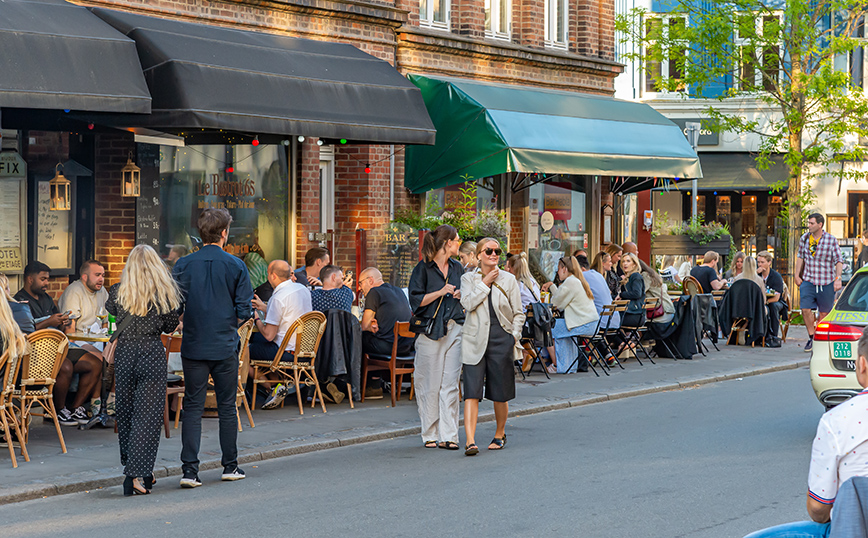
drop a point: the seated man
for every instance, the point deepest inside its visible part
(838, 454)
(314, 260)
(289, 302)
(88, 366)
(385, 305)
(335, 291)
(706, 274)
(775, 282)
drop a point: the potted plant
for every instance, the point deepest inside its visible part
(691, 238)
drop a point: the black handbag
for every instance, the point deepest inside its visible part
(424, 324)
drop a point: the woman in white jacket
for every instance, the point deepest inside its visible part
(494, 316)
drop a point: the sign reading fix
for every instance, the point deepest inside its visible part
(12, 165)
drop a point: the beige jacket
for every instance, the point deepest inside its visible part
(477, 324)
(571, 299)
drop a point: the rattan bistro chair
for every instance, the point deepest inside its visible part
(8, 372)
(308, 330)
(48, 349)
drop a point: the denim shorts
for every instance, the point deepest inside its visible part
(820, 297)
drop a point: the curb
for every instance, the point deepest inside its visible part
(73, 484)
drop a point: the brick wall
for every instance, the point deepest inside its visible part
(115, 216)
(468, 17)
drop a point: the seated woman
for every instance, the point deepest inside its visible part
(736, 267)
(655, 288)
(749, 272)
(575, 299)
(612, 279)
(632, 290)
(527, 285)
(669, 272)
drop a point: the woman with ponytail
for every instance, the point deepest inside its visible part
(435, 294)
(575, 299)
(527, 285)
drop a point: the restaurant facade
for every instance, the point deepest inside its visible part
(297, 118)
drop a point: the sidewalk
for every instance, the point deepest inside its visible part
(92, 460)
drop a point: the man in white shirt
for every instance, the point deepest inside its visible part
(839, 452)
(289, 301)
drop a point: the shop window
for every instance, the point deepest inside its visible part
(434, 14)
(497, 18)
(558, 223)
(724, 209)
(556, 24)
(251, 182)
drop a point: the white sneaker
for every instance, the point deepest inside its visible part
(64, 417)
(232, 474)
(276, 398)
(190, 480)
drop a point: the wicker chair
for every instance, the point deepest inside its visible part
(48, 349)
(308, 330)
(8, 371)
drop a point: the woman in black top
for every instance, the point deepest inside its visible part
(435, 293)
(632, 289)
(149, 295)
(612, 278)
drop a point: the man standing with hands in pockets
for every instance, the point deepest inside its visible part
(216, 292)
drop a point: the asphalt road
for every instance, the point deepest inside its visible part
(718, 460)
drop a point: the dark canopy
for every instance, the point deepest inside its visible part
(738, 171)
(56, 55)
(208, 77)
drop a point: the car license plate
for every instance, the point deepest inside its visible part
(841, 350)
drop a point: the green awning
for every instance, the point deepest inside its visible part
(485, 129)
(738, 171)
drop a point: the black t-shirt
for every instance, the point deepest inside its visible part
(41, 306)
(390, 306)
(264, 291)
(705, 275)
(775, 281)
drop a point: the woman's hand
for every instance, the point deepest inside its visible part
(447, 289)
(490, 277)
(457, 294)
(546, 286)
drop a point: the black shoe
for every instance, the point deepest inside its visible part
(232, 473)
(773, 342)
(190, 480)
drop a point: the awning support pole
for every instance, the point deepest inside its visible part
(692, 128)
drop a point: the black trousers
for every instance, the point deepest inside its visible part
(225, 375)
(379, 346)
(775, 310)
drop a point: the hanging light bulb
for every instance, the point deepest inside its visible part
(319, 142)
(255, 141)
(367, 168)
(300, 138)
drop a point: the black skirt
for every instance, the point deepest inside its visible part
(495, 372)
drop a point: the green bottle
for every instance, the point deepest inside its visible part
(112, 326)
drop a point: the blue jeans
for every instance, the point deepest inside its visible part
(799, 529)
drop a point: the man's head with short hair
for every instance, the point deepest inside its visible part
(815, 222)
(314, 260)
(331, 277)
(630, 247)
(369, 278)
(583, 262)
(711, 258)
(279, 272)
(212, 223)
(764, 262)
(92, 275)
(862, 359)
(36, 276)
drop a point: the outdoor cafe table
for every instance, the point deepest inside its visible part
(88, 337)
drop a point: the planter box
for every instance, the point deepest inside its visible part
(682, 245)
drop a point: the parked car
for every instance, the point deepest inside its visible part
(833, 362)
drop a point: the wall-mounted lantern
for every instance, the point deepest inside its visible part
(59, 191)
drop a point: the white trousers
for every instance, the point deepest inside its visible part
(437, 370)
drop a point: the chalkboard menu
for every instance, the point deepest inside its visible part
(54, 230)
(148, 209)
(399, 254)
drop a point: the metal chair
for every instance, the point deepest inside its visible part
(48, 349)
(395, 365)
(308, 330)
(9, 366)
(628, 332)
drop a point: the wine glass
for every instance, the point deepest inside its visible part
(101, 315)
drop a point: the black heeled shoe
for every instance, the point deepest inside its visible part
(149, 482)
(132, 488)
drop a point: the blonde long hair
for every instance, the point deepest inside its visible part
(519, 266)
(633, 258)
(748, 272)
(572, 265)
(145, 282)
(10, 333)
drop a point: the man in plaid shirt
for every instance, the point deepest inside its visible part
(820, 257)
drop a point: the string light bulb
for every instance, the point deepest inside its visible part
(367, 168)
(255, 141)
(300, 138)
(229, 169)
(319, 142)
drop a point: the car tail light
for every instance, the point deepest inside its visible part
(830, 332)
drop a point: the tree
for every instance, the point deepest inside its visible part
(797, 58)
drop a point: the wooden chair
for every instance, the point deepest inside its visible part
(395, 365)
(172, 343)
(740, 325)
(8, 372)
(308, 330)
(691, 286)
(48, 349)
(789, 313)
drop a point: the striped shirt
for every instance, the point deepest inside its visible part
(840, 449)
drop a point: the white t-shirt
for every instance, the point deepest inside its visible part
(82, 302)
(289, 302)
(840, 449)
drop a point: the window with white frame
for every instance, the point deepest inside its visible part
(660, 64)
(853, 61)
(498, 18)
(758, 49)
(556, 23)
(434, 13)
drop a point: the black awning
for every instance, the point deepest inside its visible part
(738, 171)
(57, 55)
(212, 78)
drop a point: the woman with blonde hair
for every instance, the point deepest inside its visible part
(655, 288)
(146, 304)
(575, 299)
(668, 271)
(11, 337)
(736, 266)
(749, 272)
(527, 284)
(467, 255)
(633, 290)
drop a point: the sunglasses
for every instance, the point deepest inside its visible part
(490, 251)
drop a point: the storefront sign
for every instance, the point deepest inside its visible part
(707, 137)
(12, 165)
(10, 260)
(226, 189)
(547, 220)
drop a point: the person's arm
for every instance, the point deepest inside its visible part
(823, 472)
(819, 512)
(243, 294)
(718, 284)
(473, 293)
(518, 315)
(632, 289)
(368, 319)
(267, 330)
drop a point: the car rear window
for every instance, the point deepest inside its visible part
(855, 296)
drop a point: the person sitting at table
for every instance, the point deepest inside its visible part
(751, 273)
(314, 260)
(774, 283)
(613, 280)
(602, 298)
(289, 302)
(527, 284)
(78, 360)
(20, 311)
(668, 272)
(706, 274)
(633, 290)
(655, 288)
(576, 300)
(736, 266)
(684, 267)
(385, 305)
(335, 292)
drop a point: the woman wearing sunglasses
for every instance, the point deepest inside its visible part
(575, 299)
(492, 301)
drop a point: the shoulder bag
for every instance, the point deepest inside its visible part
(424, 324)
(108, 352)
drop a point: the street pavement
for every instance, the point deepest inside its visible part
(92, 460)
(716, 460)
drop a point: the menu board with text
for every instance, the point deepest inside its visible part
(53, 231)
(11, 225)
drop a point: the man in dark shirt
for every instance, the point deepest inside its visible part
(216, 291)
(776, 304)
(42, 306)
(385, 305)
(335, 291)
(706, 273)
(314, 260)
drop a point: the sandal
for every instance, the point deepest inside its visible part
(449, 445)
(430, 444)
(499, 443)
(471, 449)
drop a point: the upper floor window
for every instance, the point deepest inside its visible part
(853, 60)
(556, 23)
(757, 46)
(498, 18)
(660, 65)
(434, 13)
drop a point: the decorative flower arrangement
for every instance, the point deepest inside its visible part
(696, 228)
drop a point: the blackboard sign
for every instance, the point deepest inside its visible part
(148, 208)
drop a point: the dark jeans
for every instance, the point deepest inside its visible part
(263, 350)
(380, 346)
(225, 375)
(775, 310)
